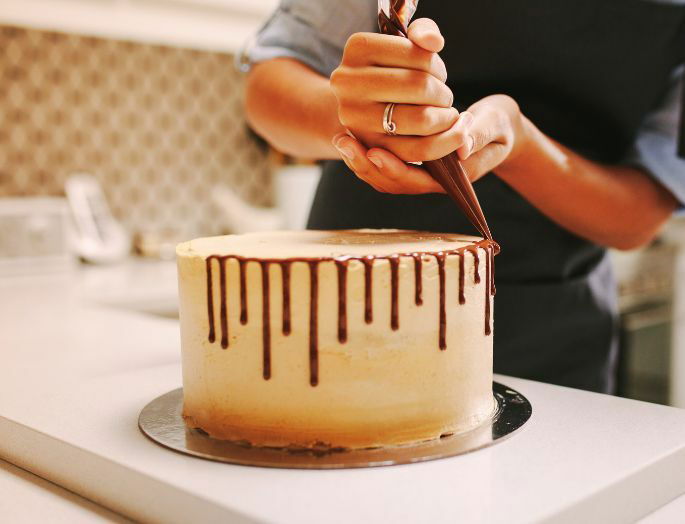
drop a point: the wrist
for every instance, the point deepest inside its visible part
(522, 150)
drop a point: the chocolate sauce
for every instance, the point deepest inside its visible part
(285, 277)
(243, 292)
(394, 291)
(313, 322)
(488, 288)
(418, 280)
(368, 289)
(462, 296)
(223, 308)
(266, 321)
(342, 300)
(342, 265)
(440, 259)
(450, 174)
(210, 300)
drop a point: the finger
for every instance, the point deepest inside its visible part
(425, 33)
(485, 160)
(400, 177)
(485, 129)
(420, 149)
(371, 49)
(408, 119)
(353, 153)
(389, 84)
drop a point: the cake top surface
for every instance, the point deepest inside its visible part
(325, 244)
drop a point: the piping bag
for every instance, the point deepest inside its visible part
(393, 19)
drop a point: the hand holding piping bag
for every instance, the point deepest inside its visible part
(380, 69)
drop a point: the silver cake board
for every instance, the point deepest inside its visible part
(162, 422)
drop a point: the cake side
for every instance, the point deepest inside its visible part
(379, 381)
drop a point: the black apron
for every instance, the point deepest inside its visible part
(587, 73)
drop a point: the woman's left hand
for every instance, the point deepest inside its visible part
(493, 132)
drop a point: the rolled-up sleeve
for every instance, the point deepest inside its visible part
(312, 31)
(656, 148)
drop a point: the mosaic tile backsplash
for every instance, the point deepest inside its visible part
(158, 126)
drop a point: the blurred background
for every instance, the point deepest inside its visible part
(122, 133)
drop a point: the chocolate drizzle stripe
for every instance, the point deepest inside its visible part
(342, 300)
(488, 291)
(368, 289)
(462, 296)
(223, 308)
(313, 322)
(418, 280)
(285, 277)
(243, 291)
(210, 300)
(394, 292)
(342, 264)
(440, 258)
(266, 322)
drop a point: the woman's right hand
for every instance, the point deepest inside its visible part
(378, 69)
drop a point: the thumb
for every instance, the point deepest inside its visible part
(425, 33)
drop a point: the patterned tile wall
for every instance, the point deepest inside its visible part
(159, 127)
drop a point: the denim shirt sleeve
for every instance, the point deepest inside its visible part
(656, 148)
(312, 31)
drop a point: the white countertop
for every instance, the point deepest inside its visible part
(79, 372)
(26, 498)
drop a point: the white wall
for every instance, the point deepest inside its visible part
(218, 25)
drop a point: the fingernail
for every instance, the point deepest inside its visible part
(376, 161)
(337, 138)
(420, 33)
(344, 150)
(468, 119)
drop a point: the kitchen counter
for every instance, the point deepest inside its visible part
(26, 498)
(88, 349)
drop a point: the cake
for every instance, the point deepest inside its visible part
(342, 339)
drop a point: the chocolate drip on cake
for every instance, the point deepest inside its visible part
(342, 300)
(489, 287)
(243, 292)
(314, 322)
(285, 277)
(266, 322)
(462, 296)
(368, 289)
(440, 258)
(342, 266)
(394, 292)
(223, 308)
(418, 280)
(210, 300)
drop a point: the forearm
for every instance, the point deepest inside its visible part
(293, 108)
(614, 206)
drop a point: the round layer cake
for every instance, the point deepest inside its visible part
(349, 339)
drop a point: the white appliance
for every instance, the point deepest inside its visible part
(98, 238)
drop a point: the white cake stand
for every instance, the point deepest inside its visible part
(162, 422)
